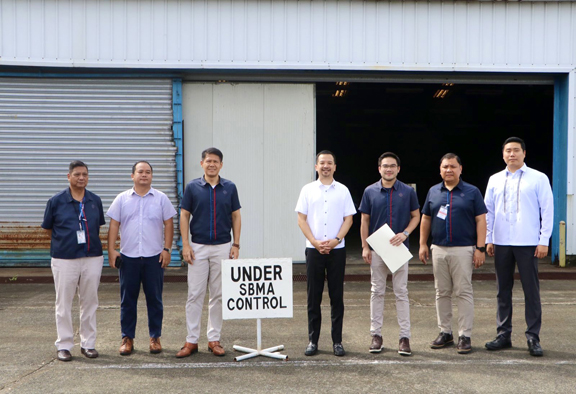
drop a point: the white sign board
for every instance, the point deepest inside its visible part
(256, 288)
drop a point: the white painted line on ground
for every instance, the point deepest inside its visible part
(321, 364)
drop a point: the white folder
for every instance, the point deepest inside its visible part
(394, 256)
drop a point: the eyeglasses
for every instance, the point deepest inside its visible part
(391, 166)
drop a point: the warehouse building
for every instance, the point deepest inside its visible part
(270, 83)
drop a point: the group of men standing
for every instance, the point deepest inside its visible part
(513, 223)
(210, 210)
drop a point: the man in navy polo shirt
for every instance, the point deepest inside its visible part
(73, 218)
(391, 202)
(455, 214)
(210, 209)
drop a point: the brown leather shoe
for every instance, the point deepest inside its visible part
(404, 347)
(215, 348)
(64, 355)
(127, 346)
(444, 339)
(376, 345)
(187, 350)
(155, 346)
(90, 353)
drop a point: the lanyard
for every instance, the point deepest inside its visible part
(83, 223)
(449, 214)
(517, 193)
(82, 215)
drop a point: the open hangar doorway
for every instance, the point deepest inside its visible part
(420, 122)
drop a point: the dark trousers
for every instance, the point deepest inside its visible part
(318, 267)
(506, 257)
(148, 272)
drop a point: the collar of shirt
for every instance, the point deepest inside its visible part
(203, 180)
(320, 184)
(151, 191)
(521, 169)
(394, 186)
(69, 198)
(458, 186)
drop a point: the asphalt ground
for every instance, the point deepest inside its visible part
(28, 361)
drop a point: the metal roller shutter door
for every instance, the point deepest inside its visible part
(46, 123)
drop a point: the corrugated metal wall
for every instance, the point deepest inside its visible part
(46, 123)
(267, 135)
(290, 34)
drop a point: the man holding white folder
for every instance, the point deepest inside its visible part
(391, 202)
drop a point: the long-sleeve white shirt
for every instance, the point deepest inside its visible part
(520, 208)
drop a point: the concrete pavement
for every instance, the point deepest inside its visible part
(28, 363)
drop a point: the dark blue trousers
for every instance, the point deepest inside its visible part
(148, 272)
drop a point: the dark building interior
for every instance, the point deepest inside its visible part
(422, 122)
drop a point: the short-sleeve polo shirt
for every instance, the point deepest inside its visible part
(211, 210)
(62, 217)
(390, 206)
(325, 207)
(463, 203)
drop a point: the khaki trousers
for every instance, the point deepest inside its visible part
(71, 276)
(453, 267)
(379, 272)
(206, 270)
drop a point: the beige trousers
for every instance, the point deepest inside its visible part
(453, 267)
(71, 276)
(206, 270)
(379, 271)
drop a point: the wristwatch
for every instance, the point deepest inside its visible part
(168, 250)
(338, 239)
(481, 248)
(406, 233)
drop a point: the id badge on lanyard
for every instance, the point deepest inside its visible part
(443, 212)
(81, 234)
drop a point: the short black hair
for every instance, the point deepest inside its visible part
(141, 161)
(449, 156)
(212, 151)
(76, 163)
(325, 152)
(515, 139)
(389, 154)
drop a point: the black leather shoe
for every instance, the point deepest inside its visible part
(90, 353)
(443, 340)
(339, 350)
(64, 355)
(500, 342)
(311, 349)
(535, 348)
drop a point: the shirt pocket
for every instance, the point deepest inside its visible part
(153, 213)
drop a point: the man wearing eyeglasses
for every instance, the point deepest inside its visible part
(520, 219)
(391, 202)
